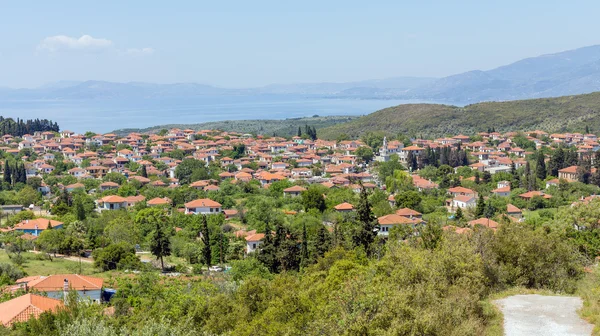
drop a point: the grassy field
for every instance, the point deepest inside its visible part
(34, 265)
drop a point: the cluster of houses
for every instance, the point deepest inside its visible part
(332, 164)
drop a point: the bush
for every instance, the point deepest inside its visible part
(115, 256)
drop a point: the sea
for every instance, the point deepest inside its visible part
(106, 115)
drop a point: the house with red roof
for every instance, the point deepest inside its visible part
(203, 206)
(25, 307)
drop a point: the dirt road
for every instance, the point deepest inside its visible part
(532, 315)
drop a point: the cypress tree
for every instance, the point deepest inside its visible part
(304, 250)
(322, 242)
(480, 208)
(206, 250)
(7, 173)
(540, 169)
(299, 131)
(364, 235)
(144, 172)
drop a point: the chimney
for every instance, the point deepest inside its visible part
(65, 290)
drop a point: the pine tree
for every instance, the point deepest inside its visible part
(206, 250)
(304, 249)
(540, 169)
(365, 233)
(480, 208)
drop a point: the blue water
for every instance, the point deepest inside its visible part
(106, 115)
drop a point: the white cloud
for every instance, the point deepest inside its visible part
(84, 43)
(87, 43)
(139, 51)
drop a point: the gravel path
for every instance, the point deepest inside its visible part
(534, 315)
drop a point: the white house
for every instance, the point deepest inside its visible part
(463, 201)
(203, 206)
(112, 202)
(253, 242)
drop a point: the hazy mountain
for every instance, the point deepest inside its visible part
(565, 73)
(398, 84)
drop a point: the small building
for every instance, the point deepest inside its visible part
(112, 202)
(569, 173)
(484, 222)
(36, 226)
(25, 307)
(253, 242)
(55, 286)
(11, 209)
(344, 207)
(108, 186)
(387, 222)
(203, 206)
(463, 202)
(294, 191)
(513, 211)
(409, 213)
(165, 201)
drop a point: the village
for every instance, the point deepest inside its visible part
(233, 191)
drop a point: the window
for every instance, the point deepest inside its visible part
(211, 210)
(254, 245)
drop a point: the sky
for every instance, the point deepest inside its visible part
(254, 43)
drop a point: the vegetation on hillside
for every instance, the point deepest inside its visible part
(570, 113)
(285, 127)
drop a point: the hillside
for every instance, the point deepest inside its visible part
(569, 113)
(285, 127)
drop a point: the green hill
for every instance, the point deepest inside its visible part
(285, 127)
(569, 113)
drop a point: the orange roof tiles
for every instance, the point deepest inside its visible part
(22, 308)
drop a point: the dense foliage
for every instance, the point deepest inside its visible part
(21, 127)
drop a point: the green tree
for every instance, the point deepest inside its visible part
(144, 172)
(366, 230)
(304, 249)
(540, 168)
(365, 154)
(206, 250)
(7, 178)
(116, 256)
(160, 244)
(312, 198)
(480, 208)
(409, 199)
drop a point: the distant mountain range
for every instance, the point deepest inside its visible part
(565, 73)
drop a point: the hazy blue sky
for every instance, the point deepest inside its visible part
(250, 43)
